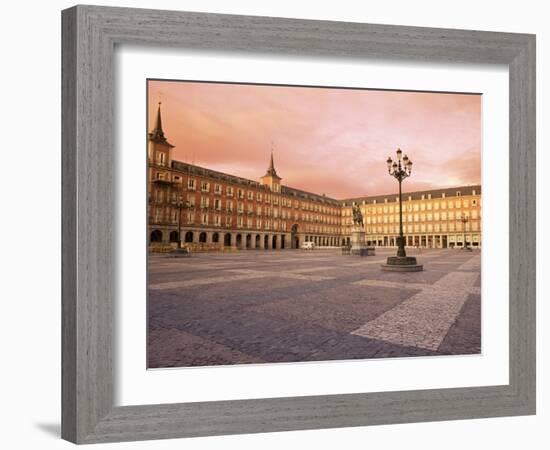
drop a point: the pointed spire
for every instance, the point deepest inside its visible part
(271, 170)
(158, 123)
(271, 165)
(157, 134)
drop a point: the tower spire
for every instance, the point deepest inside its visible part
(158, 122)
(157, 134)
(271, 170)
(271, 165)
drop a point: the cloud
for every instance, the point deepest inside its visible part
(332, 141)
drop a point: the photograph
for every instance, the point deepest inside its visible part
(291, 224)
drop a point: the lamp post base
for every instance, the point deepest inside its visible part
(402, 264)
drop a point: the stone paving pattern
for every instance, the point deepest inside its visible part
(297, 305)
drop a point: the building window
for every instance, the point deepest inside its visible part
(240, 193)
(191, 184)
(217, 189)
(205, 186)
(217, 204)
(229, 205)
(161, 159)
(229, 191)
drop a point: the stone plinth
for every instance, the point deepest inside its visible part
(358, 244)
(180, 252)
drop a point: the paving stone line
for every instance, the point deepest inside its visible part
(286, 274)
(209, 280)
(404, 285)
(473, 263)
(424, 319)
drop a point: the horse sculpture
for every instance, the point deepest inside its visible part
(357, 216)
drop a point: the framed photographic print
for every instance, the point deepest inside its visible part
(268, 222)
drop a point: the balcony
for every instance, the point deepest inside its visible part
(162, 182)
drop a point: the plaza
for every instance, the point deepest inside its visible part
(274, 306)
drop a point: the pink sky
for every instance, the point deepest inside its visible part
(331, 141)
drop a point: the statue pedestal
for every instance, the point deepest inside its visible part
(358, 244)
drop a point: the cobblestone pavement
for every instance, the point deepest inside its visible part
(298, 305)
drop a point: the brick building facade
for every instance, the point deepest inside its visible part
(218, 209)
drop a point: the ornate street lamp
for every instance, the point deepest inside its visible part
(464, 220)
(400, 169)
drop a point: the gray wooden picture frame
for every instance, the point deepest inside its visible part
(90, 34)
